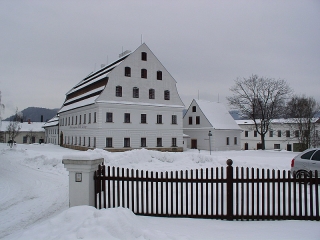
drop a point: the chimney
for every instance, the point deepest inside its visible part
(29, 121)
(41, 118)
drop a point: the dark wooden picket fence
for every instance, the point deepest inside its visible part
(220, 193)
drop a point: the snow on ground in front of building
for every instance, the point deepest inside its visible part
(34, 198)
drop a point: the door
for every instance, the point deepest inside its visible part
(259, 146)
(289, 147)
(194, 144)
(315, 162)
(61, 138)
(246, 146)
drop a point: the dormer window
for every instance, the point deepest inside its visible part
(159, 75)
(143, 73)
(143, 56)
(127, 71)
(194, 108)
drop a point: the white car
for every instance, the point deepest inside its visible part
(307, 161)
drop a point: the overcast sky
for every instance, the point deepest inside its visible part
(46, 47)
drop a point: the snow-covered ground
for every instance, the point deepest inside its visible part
(34, 198)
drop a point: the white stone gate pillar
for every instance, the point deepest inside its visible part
(81, 183)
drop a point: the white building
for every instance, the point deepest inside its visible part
(204, 118)
(131, 103)
(282, 135)
(30, 132)
(52, 131)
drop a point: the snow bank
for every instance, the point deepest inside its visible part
(86, 222)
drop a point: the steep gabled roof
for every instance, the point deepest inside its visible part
(87, 90)
(217, 115)
(52, 122)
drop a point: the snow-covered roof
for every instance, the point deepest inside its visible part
(217, 114)
(82, 103)
(90, 87)
(25, 126)
(52, 122)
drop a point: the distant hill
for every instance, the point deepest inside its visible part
(35, 113)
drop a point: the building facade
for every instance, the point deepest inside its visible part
(30, 132)
(210, 127)
(52, 131)
(132, 103)
(283, 134)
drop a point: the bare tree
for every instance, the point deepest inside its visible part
(31, 135)
(302, 111)
(13, 128)
(1, 109)
(261, 100)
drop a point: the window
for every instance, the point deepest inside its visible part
(108, 142)
(75, 141)
(296, 133)
(89, 118)
(127, 71)
(197, 119)
(25, 139)
(80, 119)
(76, 120)
(69, 121)
(190, 120)
(88, 141)
(270, 133)
(144, 73)
(126, 142)
(159, 119)
(143, 56)
(72, 120)
(159, 142)
(174, 119)
(94, 117)
(84, 118)
(94, 142)
(246, 133)
(84, 141)
(174, 142)
(118, 91)
(316, 156)
(109, 117)
(288, 133)
(151, 93)
(279, 133)
(127, 117)
(227, 141)
(308, 155)
(143, 118)
(159, 75)
(194, 108)
(276, 146)
(79, 141)
(166, 95)
(235, 141)
(255, 133)
(143, 142)
(135, 92)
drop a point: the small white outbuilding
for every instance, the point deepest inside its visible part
(211, 127)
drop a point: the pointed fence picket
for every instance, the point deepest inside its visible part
(217, 193)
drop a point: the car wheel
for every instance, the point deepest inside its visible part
(302, 174)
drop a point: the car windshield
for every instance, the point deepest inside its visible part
(307, 155)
